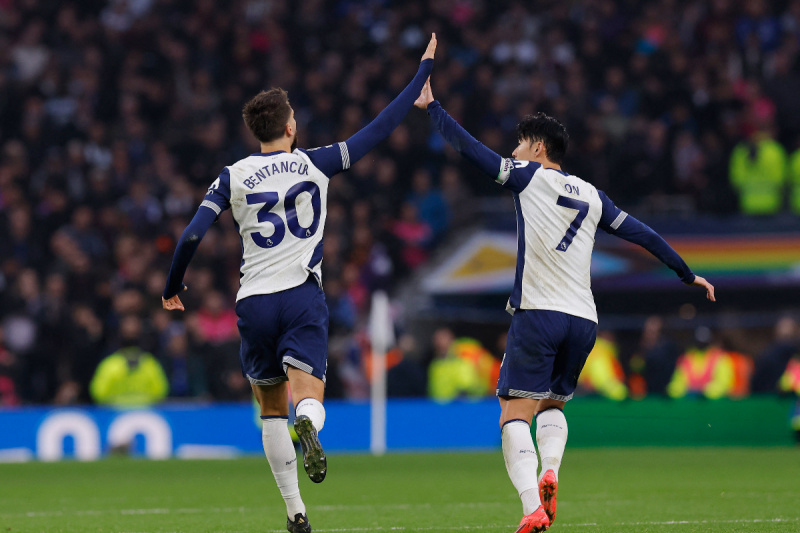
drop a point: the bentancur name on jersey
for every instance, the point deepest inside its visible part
(266, 171)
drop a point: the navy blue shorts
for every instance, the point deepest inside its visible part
(282, 329)
(545, 353)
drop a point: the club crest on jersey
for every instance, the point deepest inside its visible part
(214, 187)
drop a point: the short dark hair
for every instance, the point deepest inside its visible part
(267, 113)
(544, 128)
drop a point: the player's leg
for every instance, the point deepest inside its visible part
(551, 437)
(303, 351)
(307, 392)
(258, 328)
(551, 424)
(524, 379)
(278, 445)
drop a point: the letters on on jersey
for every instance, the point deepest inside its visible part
(295, 167)
(278, 202)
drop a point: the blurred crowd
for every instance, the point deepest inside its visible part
(117, 115)
(659, 362)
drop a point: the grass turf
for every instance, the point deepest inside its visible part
(672, 490)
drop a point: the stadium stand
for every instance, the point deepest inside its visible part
(116, 117)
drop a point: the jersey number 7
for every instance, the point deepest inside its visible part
(583, 209)
(265, 214)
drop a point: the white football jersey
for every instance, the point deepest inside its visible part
(279, 204)
(557, 217)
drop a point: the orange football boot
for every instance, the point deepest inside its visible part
(536, 522)
(548, 487)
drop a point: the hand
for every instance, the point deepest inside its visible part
(431, 50)
(425, 96)
(701, 282)
(173, 303)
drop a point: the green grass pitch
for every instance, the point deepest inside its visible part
(601, 490)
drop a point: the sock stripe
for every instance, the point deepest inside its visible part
(271, 417)
(515, 420)
(545, 410)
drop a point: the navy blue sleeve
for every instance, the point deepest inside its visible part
(329, 159)
(340, 156)
(510, 173)
(639, 233)
(612, 215)
(186, 247)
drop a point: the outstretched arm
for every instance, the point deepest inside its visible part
(514, 175)
(215, 202)
(184, 251)
(333, 159)
(619, 223)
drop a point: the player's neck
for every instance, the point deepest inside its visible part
(277, 146)
(546, 163)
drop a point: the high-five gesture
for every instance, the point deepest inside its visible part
(425, 96)
(431, 50)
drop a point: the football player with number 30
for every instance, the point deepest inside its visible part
(554, 321)
(278, 198)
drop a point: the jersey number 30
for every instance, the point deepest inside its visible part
(265, 214)
(583, 209)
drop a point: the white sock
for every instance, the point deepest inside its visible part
(551, 436)
(282, 459)
(314, 410)
(521, 463)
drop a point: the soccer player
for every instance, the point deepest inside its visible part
(278, 197)
(554, 321)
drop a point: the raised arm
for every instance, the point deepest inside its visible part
(470, 147)
(617, 222)
(335, 158)
(512, 174)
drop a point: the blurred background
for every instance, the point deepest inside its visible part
(116, 115)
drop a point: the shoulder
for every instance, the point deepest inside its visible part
(516, 174)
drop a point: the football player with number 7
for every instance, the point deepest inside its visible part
(554, 321)
(278, 198)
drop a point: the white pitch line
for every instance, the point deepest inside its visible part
(561, 525)
(329, 508)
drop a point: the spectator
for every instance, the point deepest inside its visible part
(129, 377)
(709, 370)
(602, 373)
(414, 234)
(184, 369)
(9, 368)
(772, 363)
(660, 354)
(758, 172)
(113, 123)
(429, 203)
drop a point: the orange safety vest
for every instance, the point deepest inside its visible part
(698, 377)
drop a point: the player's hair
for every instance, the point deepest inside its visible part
(544, 128)
(267, 113)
